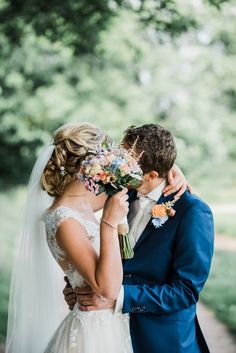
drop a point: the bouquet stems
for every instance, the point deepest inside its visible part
(126, 248)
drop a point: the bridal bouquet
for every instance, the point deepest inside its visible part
(109, 170)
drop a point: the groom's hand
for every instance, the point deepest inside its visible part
(69, 294)
(89, 300)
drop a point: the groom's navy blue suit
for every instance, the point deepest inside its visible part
(163, 280)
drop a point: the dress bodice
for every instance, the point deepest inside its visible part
(84, 331)
(53, 219)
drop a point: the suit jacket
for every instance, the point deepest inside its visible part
(163, 280)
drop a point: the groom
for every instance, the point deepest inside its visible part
(171, 262)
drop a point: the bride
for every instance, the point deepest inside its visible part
(75, 239)
(60, 221)
(88, 253)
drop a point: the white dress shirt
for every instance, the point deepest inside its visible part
(140, 214)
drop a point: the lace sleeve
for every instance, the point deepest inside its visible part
(61, 215)
(54, 219)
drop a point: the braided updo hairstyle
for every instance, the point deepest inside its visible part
(72, 143)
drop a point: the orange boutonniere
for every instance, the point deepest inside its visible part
(161, 213)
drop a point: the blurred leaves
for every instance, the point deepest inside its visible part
(25, 73)
(135, 65)
(77, 24)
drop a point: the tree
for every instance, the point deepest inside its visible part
(78, 24)
(131, 73)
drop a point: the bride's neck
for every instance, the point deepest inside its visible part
(76, 193)
(76, 188)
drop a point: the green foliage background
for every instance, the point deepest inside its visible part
(117, 63)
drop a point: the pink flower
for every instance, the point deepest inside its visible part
(124, 169)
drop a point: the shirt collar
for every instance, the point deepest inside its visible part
(156, 193)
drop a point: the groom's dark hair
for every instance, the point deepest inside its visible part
(156, 144)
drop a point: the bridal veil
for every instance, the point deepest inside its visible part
(36, 284)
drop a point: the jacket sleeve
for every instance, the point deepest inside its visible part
(190, 268)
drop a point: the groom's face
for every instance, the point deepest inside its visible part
(156, 149)
(150, 182)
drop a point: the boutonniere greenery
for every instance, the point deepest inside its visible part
(161, 213)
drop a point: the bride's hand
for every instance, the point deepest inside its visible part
(116, 207)
(177, 182)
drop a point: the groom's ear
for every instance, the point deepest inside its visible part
(152, 176)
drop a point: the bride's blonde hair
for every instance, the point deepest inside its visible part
(72, 143)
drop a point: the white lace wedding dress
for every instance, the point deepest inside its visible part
(101, 331)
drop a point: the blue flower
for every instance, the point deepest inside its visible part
(115, 165)
(158, 222)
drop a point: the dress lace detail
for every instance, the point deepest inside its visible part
(53, 220)
(84, 332)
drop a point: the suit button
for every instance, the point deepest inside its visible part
(128, 275)
(137, 309)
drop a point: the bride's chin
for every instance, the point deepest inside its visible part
(100, 201)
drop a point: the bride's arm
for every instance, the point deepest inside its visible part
(177, 183)
(104, 273)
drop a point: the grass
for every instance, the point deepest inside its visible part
(217, 192)
(4, 289)
(220, 291)
(225, 224)
(11, 204)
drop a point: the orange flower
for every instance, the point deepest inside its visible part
(159, 211)
(103, 175)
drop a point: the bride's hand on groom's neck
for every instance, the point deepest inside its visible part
(177, 183)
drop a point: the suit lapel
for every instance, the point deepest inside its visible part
(149, 228)
(144, 235)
